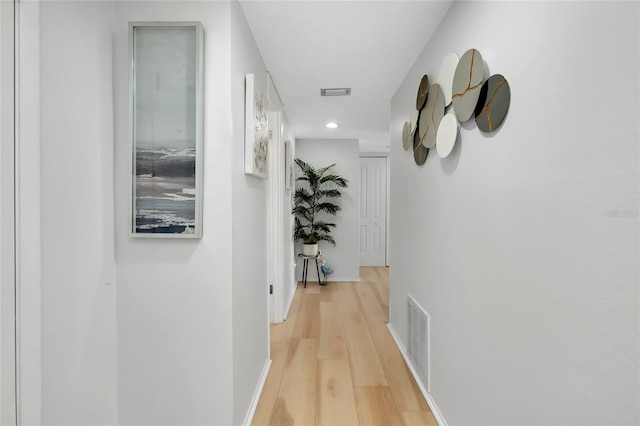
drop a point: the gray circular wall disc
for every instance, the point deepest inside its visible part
(467, 82)
(493, 103)
(430, 116)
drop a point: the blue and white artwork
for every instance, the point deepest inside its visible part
(165, 190)
(166, 132)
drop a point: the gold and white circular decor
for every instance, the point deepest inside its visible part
(463, 88)
(423, 90)
(407, 140)
(445, 76)
(414, 121)
(420, 152)
(467, 82)
(430, 116)
(447, 135)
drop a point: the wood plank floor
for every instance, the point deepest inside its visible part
(335, 362)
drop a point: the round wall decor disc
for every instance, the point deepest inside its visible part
(447, 134)
(423, 90)
(419, 151)
(445, 76)
(467, 82)
(430, 116)
(407, 140)
(414, 121)
(493, 103)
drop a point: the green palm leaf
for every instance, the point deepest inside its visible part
(312, 200)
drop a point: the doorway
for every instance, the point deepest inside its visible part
(373, 211)
(281, 273)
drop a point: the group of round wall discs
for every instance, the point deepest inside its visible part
(461, 90)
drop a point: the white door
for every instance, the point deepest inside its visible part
(373, 211)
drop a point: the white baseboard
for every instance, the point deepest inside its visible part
(336, 280)
(256, 395)
(287, 303)
(427, 396)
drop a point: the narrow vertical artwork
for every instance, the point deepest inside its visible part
(288, 165)
(166, 65)
(256, 134)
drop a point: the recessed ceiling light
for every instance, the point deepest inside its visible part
(332, 125)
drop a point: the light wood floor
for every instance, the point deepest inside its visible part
(334, 361)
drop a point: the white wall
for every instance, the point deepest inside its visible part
(78, 268)
(373, 146)
(344, 258)
(28, 216)
(523, 245)
(7, 223)
(170, 359)
(249, 231)
(174, 296)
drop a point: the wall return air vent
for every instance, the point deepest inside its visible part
(418, 339)
(346, 91)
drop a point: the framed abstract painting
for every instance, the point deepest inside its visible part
(256, 135)
(289, 173)
(166, 115)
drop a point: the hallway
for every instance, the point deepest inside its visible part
(335, 362)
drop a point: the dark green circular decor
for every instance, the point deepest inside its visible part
(423, 90)
(430, 116)
(420, 152)
(493, 103)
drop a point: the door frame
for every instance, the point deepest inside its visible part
(386, 155)
(8, 378)
(274, 216)
(275, 210)
(28, 279)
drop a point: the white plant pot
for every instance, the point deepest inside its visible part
(310, 249)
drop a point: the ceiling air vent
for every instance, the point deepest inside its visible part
(346, 91)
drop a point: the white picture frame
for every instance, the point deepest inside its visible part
(289, 164)
(256, 135)
(166, 61)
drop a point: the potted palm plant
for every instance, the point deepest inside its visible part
(313, 202)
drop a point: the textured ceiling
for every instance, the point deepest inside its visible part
(366, 45)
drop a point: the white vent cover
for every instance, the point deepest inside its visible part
(343, 91)
(418, 339)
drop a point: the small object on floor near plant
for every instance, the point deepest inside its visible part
(326, 270)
